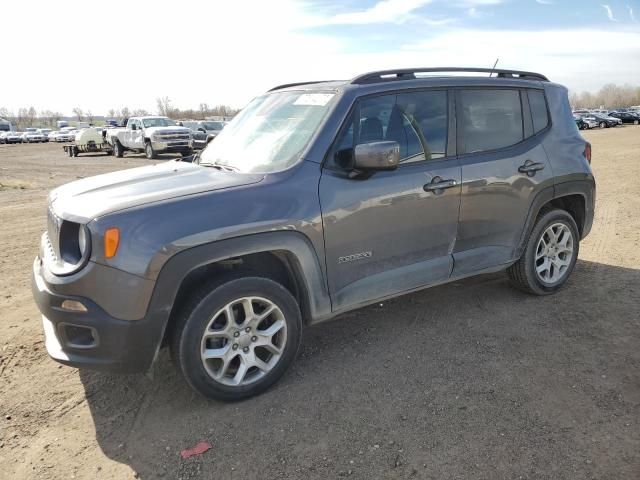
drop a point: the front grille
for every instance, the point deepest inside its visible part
(53, 231)
(173, 136)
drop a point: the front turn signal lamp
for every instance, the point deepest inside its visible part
(111, 242)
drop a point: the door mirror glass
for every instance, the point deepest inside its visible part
(134, 126)
(373, 156)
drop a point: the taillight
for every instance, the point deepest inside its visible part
(587, 152)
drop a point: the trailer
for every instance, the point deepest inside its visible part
(88, 141)
(73, 149)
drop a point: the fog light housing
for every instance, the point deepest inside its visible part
(73, 306)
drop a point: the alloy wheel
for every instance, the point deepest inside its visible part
(243, 341)
(554, 253)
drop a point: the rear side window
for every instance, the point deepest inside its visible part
(538, 106)
(490, 119)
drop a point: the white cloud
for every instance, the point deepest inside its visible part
(631, 15)
(609, 12)
(396, 11)
(545, 2)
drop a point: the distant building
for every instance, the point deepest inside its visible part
(5, 125)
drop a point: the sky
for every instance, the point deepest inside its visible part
(107, 55)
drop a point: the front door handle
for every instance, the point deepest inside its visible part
(438, 184)
(530, 168)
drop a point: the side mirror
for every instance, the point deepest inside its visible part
(134, 127)
(376, 156)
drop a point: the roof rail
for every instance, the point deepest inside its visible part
(297, 84)
(410, 73)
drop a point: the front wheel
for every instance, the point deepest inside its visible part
(603, 125)
(149, 151)
(237, 338)
(636, 122)
(549, 256)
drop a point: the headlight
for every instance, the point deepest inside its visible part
(82, 240)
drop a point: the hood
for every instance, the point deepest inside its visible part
(89, 198)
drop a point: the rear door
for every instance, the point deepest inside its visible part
(392, 231)
(504, 167)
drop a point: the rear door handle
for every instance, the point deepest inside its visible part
(530, 168)
(439, 184)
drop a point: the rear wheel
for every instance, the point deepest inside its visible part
(118, 150)
(236, 338)
(549, 256)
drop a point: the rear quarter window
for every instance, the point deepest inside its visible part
(539, 112)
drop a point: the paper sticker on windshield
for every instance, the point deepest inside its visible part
(314, 99)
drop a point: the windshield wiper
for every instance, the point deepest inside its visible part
(219, 166)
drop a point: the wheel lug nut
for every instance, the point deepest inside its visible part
(247, 329)
(236, 334)
(254, 339)
(235, 346)
(245, 349)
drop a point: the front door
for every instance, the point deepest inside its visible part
(395, 230)
(504, 166)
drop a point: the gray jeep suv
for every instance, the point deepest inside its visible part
(318, 198)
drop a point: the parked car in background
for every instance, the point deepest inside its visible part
(45, 133)
(66, 136)
(590, 121)
(13, 137)
(212, 127)
(580, 123)
(626, 117)
(33, 137)
(2, 135)
(605, 121)
(199, 135)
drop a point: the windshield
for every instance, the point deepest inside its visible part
(270, 133)
(212, 125)
(158, 122)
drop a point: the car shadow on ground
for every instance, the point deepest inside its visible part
(469, 379)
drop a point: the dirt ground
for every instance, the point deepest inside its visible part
(468, 380)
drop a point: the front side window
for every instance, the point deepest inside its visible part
(270, 133)
(417, 121)
(490, 119)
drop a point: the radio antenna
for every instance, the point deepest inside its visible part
(494, 67)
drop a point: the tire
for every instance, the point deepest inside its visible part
(636, 122)
(74, 151)
(603, 125)
(149, 152)
(206, 309)
(118, 151)
(524, 274)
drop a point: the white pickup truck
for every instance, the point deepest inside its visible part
(151, 135)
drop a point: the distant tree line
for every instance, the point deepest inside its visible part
(30, 117)
(610, 97)
(203, 111)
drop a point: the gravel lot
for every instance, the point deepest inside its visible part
(468, 380)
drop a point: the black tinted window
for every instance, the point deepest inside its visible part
(538, 105)
(490, 119)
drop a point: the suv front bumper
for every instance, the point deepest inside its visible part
(93, 338)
